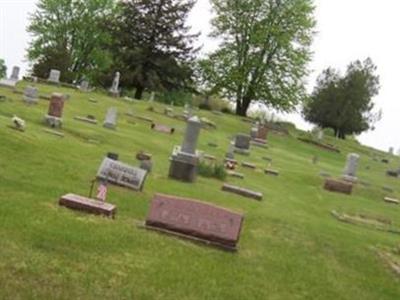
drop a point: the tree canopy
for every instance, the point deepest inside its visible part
(344, 103)
(263, 53)
(67, 36)
(3, 68)
(152, 46)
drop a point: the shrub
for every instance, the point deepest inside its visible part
(211, 170)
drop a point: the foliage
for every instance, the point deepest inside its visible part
(211, 103)
(344, 103)
(212, 170)
(152, 46)
(67, 36)
(263, 54)
(3, 69)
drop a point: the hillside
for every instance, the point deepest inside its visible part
(290, 245)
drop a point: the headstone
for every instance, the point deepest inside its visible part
(392, 173)
(249, 165)
(146, 165)
(271, 172)
(385, 160)
(230, 154)
(242, 144)
(111, 118)
(54, 132)
(391, 200)
(162, 128)
(15, 73)
(242, 191)
(122, 174)
(235, 174)
(84, 86)
(338, 186)
(168, 111)
(349, 173)
(31, 95)
(56, 106)
(195, 220)
(184, 159)
(391, 150)
(54, 76)
(88, 205)
(114, 90)
(112, 155)
(320, 134)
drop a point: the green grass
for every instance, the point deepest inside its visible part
(290, 246)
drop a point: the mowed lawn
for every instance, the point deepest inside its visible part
(290, 245)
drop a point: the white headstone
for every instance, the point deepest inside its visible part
(115, 85)
(54, 76)
(30, 95)
(111, 118)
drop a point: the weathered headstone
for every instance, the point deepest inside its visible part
(15, 73)
(195, 220)
(249, 165)
(31, 95)
(338, 186)
(320, 134)
(184, 159)
(391, 200)
(84, 86)
(235, 174)
(54, 76)
(111, 118)
(114, 90)
(122, 174)
(242, 144)
(271, 172)
(349, 173)
(56, 106)
(242, 191)
(152, 96)
(230, 154)
(88, 205)
(391, 150)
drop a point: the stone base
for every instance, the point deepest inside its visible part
(108, 125)
(8, 83)
(349, 178)
(88, 205)
(338, 186)
(53, 122)
(29, 100)
(242, 151)
(182, 170)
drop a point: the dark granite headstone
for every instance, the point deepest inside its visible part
(194, 219)
(338, 186)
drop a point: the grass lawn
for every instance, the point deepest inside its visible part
(290, 246)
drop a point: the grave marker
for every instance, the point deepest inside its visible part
(114, 90)
(54, 76)
(31, 95)
(88, 205)
(195, 220)
(111, 118)
(56, 106)
(338, 186)
(242, 191)
(162, 128)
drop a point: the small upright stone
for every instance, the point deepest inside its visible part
(114, 90)
(15, 73)
(56, 106)
(84, 86)
(351, 167)
(111, 118)
(54, 76)
(184, 159)
(242, 144)
(31, 95)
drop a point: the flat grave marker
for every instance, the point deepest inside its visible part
(162, 128)
(338, 186)
(88, 205)
(242, 191)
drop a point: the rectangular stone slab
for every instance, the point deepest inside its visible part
(122, 174)
(87, 205)
(271, 172)
(391, 200)
(235, 174)
(87, 120)
(162, 128)
(248, 165)
(242, 191)
(338, 186)
(192, 218)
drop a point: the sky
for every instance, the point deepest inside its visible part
(347, 30)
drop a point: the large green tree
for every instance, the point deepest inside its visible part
(263, 53)
(3, 68)
(68, 35)
(152, 47)
(344, 103)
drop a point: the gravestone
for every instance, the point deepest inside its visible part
(88, 205)
(230, 154)
(271, 172)
(87, 119)
(195, 220)
(146, 165)
(114, 90)
(392, 173)
(152, 96)
(249, 165)
(242, 144)
(122, 174)
(15, 73)
(84, 86)
(235, 174)
(338, 186)
(162, 128)
(31, 95)
(391, 150)
(184, 159)
(56, 106)
(320, 134)
(111, 118)
(242, 191)
(54, 76)
(351, 167)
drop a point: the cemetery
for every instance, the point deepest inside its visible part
(135, 165)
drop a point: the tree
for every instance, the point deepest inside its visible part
(3, 69)
(344, 103)
(153, 48)
(263, 53)
(67, 35)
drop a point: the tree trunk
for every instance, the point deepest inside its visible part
(139, 92)
(242, 106)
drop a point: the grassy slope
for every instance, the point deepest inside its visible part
(290, 247)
